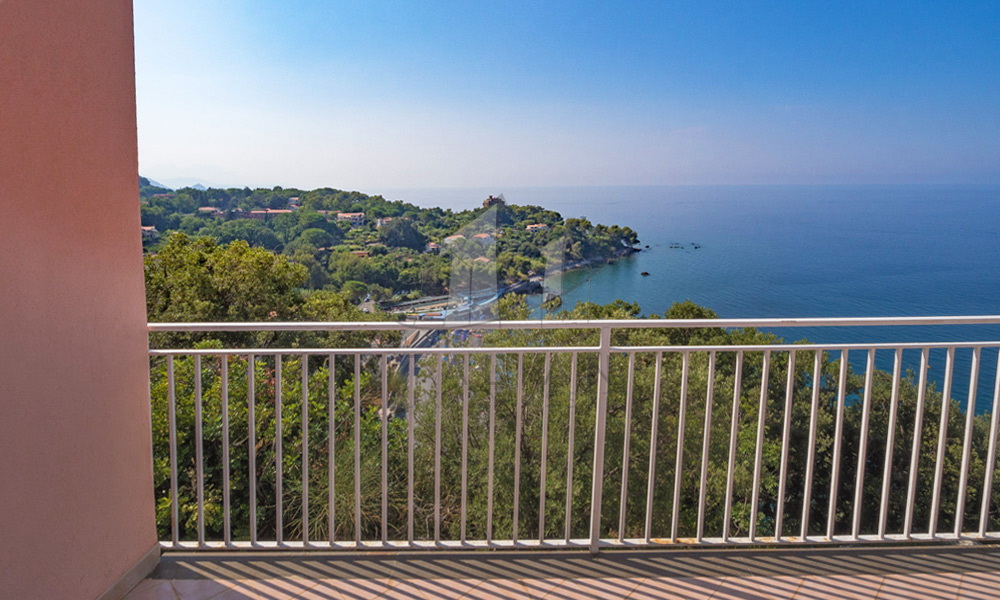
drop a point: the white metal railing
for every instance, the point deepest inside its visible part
(792, 479)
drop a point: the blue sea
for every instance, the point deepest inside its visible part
(797, 251)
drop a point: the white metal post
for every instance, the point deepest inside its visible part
(603, 372)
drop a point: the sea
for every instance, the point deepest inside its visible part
(797, 251)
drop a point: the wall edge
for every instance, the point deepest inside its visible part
(134, 575)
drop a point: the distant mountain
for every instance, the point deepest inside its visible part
(155, 183)
(147, 182)
(191, 182)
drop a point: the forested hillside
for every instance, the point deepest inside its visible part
(363, 245)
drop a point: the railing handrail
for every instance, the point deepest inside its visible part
(572, 324)
(779, 347)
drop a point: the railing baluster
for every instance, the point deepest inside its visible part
(918, 424)
(679, 465)
(970, 415)
(252, 442)
(518, 424)
(437, 453)
(625, 449)
(304, 361)
(759, 451)
(226, 525)
(545, 449)
(172, 423)
(199, 454)
(706, 437)
(569, 447)
(601, 415)
(384, 368)
(492, 447)
(733, 438)
(357, 449)
(817, 384)
(654, 426)
(866, 406)
(278, 512)
(831, 518)
(465, 445)
(330, 439)
(786, 434)
(890, 442)
(410, 418)
(942, 442)
(991, 455)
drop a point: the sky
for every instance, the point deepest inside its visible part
(377, 95)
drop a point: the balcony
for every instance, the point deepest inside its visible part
(437, 458)
(471, 436)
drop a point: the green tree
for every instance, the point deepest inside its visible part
(316, 238)
(199, 280)
(305, 256)
(400, 233)
(251, 231)
(354, 290)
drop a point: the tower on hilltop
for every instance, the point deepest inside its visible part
(494, 201)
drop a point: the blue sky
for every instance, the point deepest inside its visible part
(375, 95)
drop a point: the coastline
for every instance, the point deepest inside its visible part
(437, 307)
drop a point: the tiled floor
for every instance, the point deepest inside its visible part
(911, 573)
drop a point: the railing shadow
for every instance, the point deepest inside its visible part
(690, 573)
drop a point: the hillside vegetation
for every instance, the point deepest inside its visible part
(387, 261)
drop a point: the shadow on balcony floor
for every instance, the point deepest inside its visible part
(901, 572)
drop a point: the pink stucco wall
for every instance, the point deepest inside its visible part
(76, 502)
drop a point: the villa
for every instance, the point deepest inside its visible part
(356, 219)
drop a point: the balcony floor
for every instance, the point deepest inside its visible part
(904, 572)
